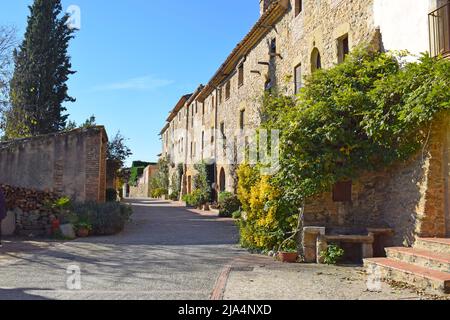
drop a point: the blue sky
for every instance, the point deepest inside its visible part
(134, 59)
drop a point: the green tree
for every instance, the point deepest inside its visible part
(42, 68)
(7, 45)
(118, 151)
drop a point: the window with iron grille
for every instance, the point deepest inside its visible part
(342, 191)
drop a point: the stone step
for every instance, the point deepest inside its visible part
(419, 277)
(438, 245)
(421, 258)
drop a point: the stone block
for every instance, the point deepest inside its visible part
(9, 224)
(68, 231)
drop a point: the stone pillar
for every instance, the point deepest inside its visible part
(310, 243)
(322, 245)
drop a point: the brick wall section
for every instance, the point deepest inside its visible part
(95, 169)
(68, 163)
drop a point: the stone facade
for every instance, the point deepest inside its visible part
(68, 163)
(143, 187)
(285, 45)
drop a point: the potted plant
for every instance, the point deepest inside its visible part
(83, 229)
(288, 252)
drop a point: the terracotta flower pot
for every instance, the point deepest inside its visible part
(288, 257)
(83, 233)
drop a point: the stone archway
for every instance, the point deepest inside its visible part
(316, 60)
(222, 180)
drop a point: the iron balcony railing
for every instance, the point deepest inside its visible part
(439, 21)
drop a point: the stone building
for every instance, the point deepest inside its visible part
(143, 187)
(291, 39)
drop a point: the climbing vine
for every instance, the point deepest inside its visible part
(364, 114)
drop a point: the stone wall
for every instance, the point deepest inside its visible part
(70, 163)
(143, 188)
(410, 197)
(29, 213)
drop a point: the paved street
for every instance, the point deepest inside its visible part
(167, 252)
(171, 253)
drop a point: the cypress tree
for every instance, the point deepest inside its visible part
(42, 68)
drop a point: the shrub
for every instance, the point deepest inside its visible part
(195, 199)
(268, 220)
(174, 196)
(332, 255)
(111, 195)
(237, 215)
(105, 218)
(228, 204)
(158, 193)
(202, 186)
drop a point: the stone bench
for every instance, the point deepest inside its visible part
(315, 241)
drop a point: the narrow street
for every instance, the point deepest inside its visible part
(170, 253)
(166, 252)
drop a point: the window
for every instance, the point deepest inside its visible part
(242, 119)
(203, 141)
(192, 149)
(220, 95)
(298, 78)
(196, 107)
(213, 100)
(273, 47)
(227, 90)
(342, 191)
(316, 60)
(203, 109)
(343, 48)
(222, 129)
(241, 75)
(298, 7)
(212, 135)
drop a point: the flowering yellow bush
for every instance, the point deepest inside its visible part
(264, 224)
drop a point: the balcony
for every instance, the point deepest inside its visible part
(439, 21)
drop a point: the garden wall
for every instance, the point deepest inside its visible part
(67, 163)
(411, 197)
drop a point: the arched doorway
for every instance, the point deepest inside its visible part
(316, 60)
(189, 186)
(222, 181)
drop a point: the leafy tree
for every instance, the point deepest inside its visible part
(362, 115)
(202, 185)
(42, 68)
(117, 150)
(161, 181)
(7, 45)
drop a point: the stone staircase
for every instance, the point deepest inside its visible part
(425, 266)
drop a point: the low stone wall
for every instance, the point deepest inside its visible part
(28, 211)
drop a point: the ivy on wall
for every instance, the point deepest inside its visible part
(365, 114)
